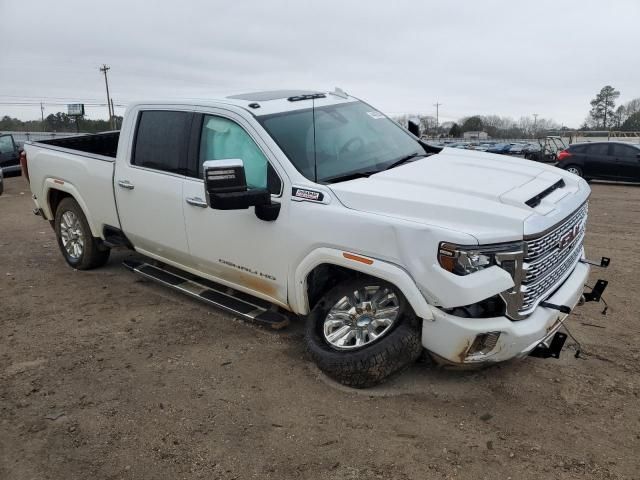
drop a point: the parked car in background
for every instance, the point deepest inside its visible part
(499, 148)
(602, 160)
(9, 155)
(516, 149)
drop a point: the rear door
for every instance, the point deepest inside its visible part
(148, 184)
(627, 160)
(597, 162)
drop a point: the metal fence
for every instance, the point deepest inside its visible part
(21, 137)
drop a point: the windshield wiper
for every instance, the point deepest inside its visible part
(404, 160)
(350, 176)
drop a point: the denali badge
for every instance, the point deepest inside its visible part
(568, 237)
(304, 194)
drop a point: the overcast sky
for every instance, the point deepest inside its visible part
(488, 57)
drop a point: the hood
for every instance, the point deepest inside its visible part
(481, 194)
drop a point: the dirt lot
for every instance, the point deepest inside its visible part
(106, 376)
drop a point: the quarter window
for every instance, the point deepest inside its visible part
(162, 140)
(223, 139)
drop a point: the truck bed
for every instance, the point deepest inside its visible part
(105, 144)
(82, 167)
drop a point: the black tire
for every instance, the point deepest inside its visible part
(93, 254)
(577, 170)
(374, 362)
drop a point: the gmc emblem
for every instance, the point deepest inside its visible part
(569, 237)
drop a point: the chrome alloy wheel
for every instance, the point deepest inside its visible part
(574, 170)
(361, 317)
(71, 234)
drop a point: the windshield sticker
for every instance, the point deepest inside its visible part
(376, 115)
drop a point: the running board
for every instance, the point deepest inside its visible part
(245, 306)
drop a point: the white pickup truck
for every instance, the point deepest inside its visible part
(317, 204)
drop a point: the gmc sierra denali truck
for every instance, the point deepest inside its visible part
(316, 203)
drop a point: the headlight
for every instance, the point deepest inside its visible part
(463, 260)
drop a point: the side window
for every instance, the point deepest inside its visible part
(6, 144)
(578, 149)
(223, 139)
(598, 149)
(161, 140)
(618, 150)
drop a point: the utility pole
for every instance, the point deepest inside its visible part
(535, 123)
(113, 115)
(42, 116)
(104, 69)
(437, 105)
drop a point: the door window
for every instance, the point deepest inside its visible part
(618, 150)
(161, 141)
(598, 150)
(223, 139)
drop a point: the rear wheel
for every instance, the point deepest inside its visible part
(362, 331)
(78, 246)
(576, 170)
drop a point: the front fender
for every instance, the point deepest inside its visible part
(373, 267)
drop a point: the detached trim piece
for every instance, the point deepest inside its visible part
(244, 306)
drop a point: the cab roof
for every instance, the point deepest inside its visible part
(266, 102)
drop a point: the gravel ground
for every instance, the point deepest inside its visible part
(106, 376)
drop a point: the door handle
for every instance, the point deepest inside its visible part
(126, 184)
(196, 202)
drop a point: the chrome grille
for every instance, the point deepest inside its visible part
(550, 256)
(541, 246)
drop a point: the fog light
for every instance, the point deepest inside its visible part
(483, 344)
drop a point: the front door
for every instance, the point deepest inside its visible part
(598, 163)
(148, 185)
(235, 246)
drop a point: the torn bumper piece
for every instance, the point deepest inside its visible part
(467, 341)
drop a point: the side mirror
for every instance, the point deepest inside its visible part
(225, 186)
(414, 128)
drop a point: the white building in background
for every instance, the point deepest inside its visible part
(475, 135)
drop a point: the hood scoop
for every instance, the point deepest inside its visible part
(534, 201)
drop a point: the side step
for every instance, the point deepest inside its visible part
(245, 306)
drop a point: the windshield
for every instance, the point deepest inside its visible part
(328, 143)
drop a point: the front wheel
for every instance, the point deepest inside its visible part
(78, 246)
(362, 331)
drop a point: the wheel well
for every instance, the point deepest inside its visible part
(323, 277)
(54, 198)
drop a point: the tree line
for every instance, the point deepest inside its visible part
(604, 115)
(58, 122)
(495, 126)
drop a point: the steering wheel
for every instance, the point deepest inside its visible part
(353, 145)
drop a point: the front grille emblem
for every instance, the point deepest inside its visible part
(568, 238)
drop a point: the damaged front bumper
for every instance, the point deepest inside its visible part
(468, 341)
